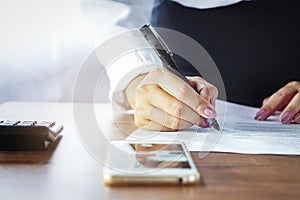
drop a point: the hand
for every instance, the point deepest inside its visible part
(288, 99)
(162, 101)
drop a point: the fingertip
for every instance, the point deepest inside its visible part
(261, 115)
(205, 124)
(210, 112)
(297, 119)
(286, 117)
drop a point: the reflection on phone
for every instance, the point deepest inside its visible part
(160, 156)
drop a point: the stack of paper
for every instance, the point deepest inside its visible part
(240, 133)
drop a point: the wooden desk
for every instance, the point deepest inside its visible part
(68, 171)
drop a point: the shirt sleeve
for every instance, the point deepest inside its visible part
(127, 67)
(125, 56)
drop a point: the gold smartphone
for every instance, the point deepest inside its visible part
(149, 163)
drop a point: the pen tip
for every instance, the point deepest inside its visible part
(215, 124)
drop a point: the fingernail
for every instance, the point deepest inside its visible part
(261, 115)
(297, 119)
(210, 112)
(205, 124)
(286, 118)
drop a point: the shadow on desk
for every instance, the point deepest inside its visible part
(29, 157)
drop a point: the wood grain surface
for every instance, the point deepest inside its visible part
(69, 170)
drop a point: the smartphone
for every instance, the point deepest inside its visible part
(149, 163)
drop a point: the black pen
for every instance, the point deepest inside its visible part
(166, 56)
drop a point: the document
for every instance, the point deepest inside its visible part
(240, 133)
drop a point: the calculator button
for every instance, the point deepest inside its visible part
(9, 123)
(46, 123)
(27, 123)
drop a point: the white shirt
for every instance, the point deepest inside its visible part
(205, 4)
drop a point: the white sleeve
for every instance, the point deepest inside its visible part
(125, 56)
(124, 69)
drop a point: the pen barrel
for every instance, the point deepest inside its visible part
(170, 64)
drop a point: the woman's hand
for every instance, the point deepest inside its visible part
(288, 99)
(162, 101)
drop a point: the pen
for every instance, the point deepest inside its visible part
(166, 56)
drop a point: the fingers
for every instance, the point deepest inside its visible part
(151, 126)
(292, 111)
(161, 111)
(205, 89)
(156, 119)
(162, 101)
(172, 106)
(297, 118)
(177, 88)
(288, 95)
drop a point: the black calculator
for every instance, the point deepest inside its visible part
(28, 135)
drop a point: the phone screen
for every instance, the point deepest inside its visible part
(130, 156)
(138, 162)
(161, 155)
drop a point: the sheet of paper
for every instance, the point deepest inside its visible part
(240, 133)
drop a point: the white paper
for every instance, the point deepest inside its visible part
(240, 133)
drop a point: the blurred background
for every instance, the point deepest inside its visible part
(43, 43)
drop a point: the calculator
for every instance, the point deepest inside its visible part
(29, 135)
